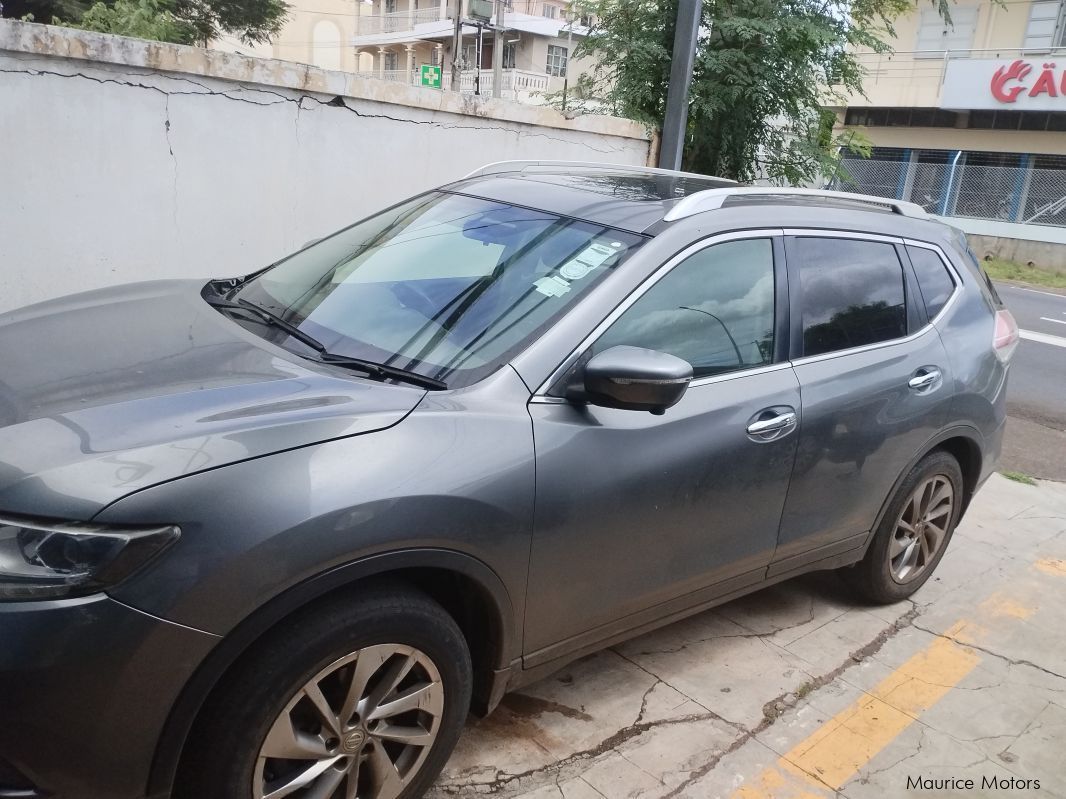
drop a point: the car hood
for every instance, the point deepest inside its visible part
(112, 391)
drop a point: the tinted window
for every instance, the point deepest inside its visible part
(714, 309)
(444, 285)
(934, 280)
(851, 292)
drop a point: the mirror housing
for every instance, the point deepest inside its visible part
(633, 379)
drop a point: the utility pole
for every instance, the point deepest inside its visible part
(457, 48)
(497, 51)
(684, 56)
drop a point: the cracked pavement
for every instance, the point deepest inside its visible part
(800, 690)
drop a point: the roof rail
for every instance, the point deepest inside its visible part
(520, 166)
(712, 199)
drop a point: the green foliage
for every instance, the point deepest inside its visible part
(1020, 477)
(145, 19)
(180, 21)
(764, 72)
(1000, 269)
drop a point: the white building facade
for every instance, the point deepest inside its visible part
(393, 39)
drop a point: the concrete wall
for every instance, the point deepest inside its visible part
(1040, 245)
(129, 160)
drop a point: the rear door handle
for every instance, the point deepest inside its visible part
(925, 379)
(774, 425)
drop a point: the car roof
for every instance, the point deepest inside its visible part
(621, 197)
(646, 200)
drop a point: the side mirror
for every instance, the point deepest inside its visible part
(633, 379)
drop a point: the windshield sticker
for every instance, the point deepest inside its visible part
(588, 259)
(553, 286)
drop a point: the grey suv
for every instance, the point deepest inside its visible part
(275, 536)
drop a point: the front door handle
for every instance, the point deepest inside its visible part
(926, 379)
(781, 422)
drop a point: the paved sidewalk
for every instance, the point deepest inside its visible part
(799, 691)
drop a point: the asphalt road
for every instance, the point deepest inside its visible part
(1035, 442)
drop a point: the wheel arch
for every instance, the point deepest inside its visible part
(468, 589)
(963, 442)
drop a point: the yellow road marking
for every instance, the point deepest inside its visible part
(1053, 566)
(1000, 605)
(835, 752)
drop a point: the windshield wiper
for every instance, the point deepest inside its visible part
(378, 370)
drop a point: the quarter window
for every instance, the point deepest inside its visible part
(851, 293)
(715, 310)
(934, 280)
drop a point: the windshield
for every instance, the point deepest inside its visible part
(444, 285)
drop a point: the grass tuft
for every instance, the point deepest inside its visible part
(1019, 477)
(998, 269)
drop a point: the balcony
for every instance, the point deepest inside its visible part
(518, 85)
(397, 21)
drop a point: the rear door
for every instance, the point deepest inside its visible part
(876, 386)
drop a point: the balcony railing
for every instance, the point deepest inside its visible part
(517, 84)
(396, 21)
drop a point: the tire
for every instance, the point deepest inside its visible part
(266, 725)
(883, 576)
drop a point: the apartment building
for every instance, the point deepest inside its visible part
(968, 119)
(393, 39)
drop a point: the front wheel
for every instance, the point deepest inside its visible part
(914, 533)
(352, 699)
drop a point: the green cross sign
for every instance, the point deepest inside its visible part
(431, 76)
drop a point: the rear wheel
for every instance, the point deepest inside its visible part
(914, 533)
(360, 699)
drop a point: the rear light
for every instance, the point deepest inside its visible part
(1005, 338)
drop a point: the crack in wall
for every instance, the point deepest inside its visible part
(336, 102)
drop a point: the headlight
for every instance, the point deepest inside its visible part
(44, 560)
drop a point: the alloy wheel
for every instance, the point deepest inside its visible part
(359, 729)
(922, 528)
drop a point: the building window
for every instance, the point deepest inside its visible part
(392, 61)
(936, 36)
(551, 12)
(509, 53)
(1047, 25)
(556, 61)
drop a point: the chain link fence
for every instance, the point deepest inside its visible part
(1032, 190)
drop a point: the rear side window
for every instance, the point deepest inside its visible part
(934, 280)
(851, 293)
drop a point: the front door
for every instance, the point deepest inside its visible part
(639, 516)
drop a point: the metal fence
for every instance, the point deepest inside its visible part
(957, 184)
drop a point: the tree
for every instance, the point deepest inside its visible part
(181, 21)
(145, 19)
(763, 74)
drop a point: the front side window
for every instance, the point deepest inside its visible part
(851, 293)
(934, 280)
(444, 285)
(715, 310)
(556, 60)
